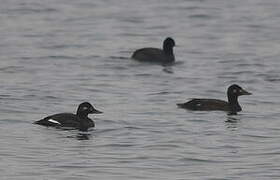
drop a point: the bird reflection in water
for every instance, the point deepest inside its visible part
(81, 136)
(232, 122)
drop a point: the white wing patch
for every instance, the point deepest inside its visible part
(54, 121)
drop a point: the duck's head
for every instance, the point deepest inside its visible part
(235, 91)
(168, 43)
(86, 108)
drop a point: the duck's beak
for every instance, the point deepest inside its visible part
(243, 92)
(95, 111)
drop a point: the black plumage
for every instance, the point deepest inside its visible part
(232, 106)
(79, 120)
(155, 55)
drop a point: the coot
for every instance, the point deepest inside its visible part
(155, 55)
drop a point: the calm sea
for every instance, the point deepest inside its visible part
(56, 54)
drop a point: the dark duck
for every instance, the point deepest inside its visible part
(232, 106)
(155, 55)
(79, 120)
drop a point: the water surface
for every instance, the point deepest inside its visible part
(56, 54)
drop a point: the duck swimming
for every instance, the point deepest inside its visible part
(79, 120)
(232, 106)
(155, 55)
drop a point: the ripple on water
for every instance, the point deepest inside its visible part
(55, 55)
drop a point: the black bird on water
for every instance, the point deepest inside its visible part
(232, 106)
(79, 120)
(156, 55)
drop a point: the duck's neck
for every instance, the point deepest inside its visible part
(233, 104)
(168, 50)
(83, 122)
(82, 115)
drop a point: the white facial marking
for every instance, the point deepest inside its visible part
(85, 108)
(198, 104)
(54, 121)
(234, 91)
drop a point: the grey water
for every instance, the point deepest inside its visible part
(56, 54)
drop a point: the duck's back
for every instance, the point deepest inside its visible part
(61, 119)
(152, 55)
(205, 105)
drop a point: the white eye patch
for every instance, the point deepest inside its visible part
(85, 108)
(234, 91)
(54, 121)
